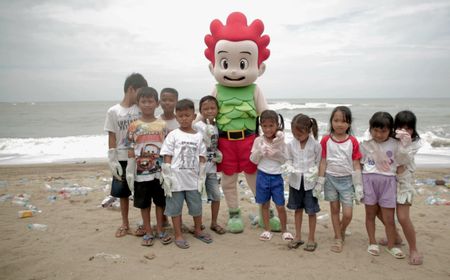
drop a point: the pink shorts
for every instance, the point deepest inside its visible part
(236, 155)
(380, 189)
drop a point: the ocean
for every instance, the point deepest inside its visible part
(51, 132)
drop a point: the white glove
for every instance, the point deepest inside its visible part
(279, 138)
(208, 133)
(130, 173)
(317, 191)
(114, 165)
(288, 168)
(312, 175)
(404, 137)
(201, 178)
(257, 150)
(357, 185)
(405, 190)
(218, 156)
(166, 173)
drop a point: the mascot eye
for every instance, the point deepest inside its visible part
(243, 64)
(224, 63)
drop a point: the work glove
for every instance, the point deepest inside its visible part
(166, 172)
(288, 168)
(258, 150)
(358, 186)
(130, 173)
(318, 188)
(312, 175)
(114, 165)
(201, 178)
(405, 190)
(208, 133)
(404, 137)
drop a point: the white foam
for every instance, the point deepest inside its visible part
(317, 105)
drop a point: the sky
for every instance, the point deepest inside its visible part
(83, 50)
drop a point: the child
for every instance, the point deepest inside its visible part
(118, 118)
(379, 176)
(145, 137)
(169, 98)
(303, 154)
(208, 108)
(184, 172)
(269, 153)
(341, 168)
(405, 128)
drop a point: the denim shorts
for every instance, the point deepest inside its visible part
(380, 189)
(301, 199)
(120, 188)
(174, 204)
(339, 188)
(267, 186)
(212, 187)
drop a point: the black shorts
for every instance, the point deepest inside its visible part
(301, 199)
(120, 188)
(145, 192)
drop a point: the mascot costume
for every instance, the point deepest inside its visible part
(236, 52)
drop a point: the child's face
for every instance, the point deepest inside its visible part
(269, 128)
(339, 124)
(209, 110)
(185, 118)
(380, 134)
(300, 135)
(168, 102)
(148, 106)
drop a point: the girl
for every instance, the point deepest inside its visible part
(208, 108)
(303, 154)
(380, 164)
(340, 171)
(269, 152)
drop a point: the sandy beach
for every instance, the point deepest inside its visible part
(79, 242)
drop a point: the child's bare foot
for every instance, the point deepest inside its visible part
(383, 242)
(415, 258)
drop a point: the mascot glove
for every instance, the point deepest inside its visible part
(405, 190)
(166, 172)
(218, 156)
(201, 178)
(114, 165)
(403, 135)
(288, 168)
(317, 191)
(130, 173)
(358, 186)
(312, 175)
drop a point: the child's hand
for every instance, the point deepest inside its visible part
(166, 172)
(404, 137)
(201, 178)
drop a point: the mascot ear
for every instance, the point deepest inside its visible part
(261, 69)
(211, 69)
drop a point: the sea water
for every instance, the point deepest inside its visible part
(49, 132)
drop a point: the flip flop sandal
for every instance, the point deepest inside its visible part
(287, 236)
(218, 229)
(337, 246)
(147, 240)
(265, 236)
(373, 249)
(395, 252)
(122, 231)
(182, 244)
(165, 238)
(294, 244)
(310, 247)
(191, 230)
(139, 231)
(204, 237)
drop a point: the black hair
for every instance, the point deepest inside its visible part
(408, 119)
(147, 92)
(136, 81)
(170, 90)
(382, 120)
(207, 98)
(305, 124)
(347, 118)
(185, 104)
(270, 115)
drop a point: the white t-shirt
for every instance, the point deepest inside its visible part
(267, 164)
(170, 124)
(340, 155)
(118, 118)
(185, 149)
(389, 148)
(211, 166)
(303, 160)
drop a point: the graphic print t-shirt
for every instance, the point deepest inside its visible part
(211, 166)
(146, 139)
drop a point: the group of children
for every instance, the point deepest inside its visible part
(172, 158)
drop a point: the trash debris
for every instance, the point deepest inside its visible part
(434, 200)
(40, 227)
(108, 201)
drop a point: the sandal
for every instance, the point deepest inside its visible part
(191, 230)
(182, 244)
(165, 238)
(147, 240)
(337, 246)
(218, 229)
(287, 236)
(373, 249)
(310, 246)
(140, 231)
(395, 252)
(204, 237)
(265, 236)
(122, 231)
(294, 244)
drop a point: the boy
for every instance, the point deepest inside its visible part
(118, 118)
(169, 98)
(145, 137)
(184, 172)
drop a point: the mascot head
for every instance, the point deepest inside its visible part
(236, 50)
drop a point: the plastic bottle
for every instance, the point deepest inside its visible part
(25, 213)
(40, 227)
(108, 201)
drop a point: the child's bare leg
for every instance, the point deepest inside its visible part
(265, 215)
(371, 213)
(410, 234)
(298, 224)
(312, 221)
(335, 219)
(383, 241)
(198, 224)
(282, 215)
(145, 213)
(176, 222)
(347, 215)
(159, 219)
(215, 206)
(124, 205)
(389, 224)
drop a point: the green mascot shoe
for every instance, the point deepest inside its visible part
(235, 223)
(274, 221)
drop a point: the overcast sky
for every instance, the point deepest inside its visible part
(83, 50)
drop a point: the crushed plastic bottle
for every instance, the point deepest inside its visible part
(108, 201)
(40, 227)
(254, 219)
(21, 199)
(25, 213)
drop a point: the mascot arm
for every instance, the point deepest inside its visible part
(260, 101)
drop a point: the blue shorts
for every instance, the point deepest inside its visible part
(120, 188)
(301, 199)
(174, 204)
(267, 186)
(212, 187)
(339, 188)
